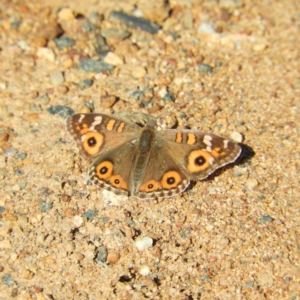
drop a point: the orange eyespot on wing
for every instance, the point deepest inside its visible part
(92, 142)
(118, 182)
(150, 186)
(170, 180)
(104, 170)
(199, 160)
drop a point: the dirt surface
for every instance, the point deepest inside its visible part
(228, 67)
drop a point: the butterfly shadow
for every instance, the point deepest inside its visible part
(246, 155)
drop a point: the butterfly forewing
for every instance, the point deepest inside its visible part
(98, 133)
(199, 153)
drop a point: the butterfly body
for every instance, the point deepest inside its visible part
(143, 161)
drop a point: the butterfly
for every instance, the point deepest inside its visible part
(142, 161)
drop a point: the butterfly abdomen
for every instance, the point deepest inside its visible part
(141, 161)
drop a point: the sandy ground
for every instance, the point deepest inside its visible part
(229, 67)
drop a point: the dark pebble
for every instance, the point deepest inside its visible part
(85, 83)
(22, 155)
(90, 215)
(61, 110)
(2, 209)
(266, 219)
(18, 172)
(45, 206)
(168, 97)
(64, 42)
(88, 27)
(102, 255)
(6, 279)
(90, 65)
(185, 233)
(203, 68)
(22, 185)
(104, 220)
(90, 105)
(135, 22)
(138, 95)
(101, 47)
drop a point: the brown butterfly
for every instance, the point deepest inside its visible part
(144, 162)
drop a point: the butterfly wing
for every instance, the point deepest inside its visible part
(163, 176)
(181, 156)
(111, 170)
(98, 133)
(199, 153)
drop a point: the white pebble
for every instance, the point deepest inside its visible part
(145, 270)
(251, 184)
(206, 28)
(78, 221)
(66, 14)
(45, 53)
(237, 137)
(57, 77)
(112, 199)
(144, 243)
(138, 72)
(113, 59)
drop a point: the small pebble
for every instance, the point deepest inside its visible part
(206, 28)
(5, 244)
(237, 137)
(113, 257)
(112, 59)
(65, 14)
(138, 72)
(61, 110)
(266, 219)
(64, 42)
(45, 206)
(112, 32)
(90, 215)
(40, 238)
(7, 280)
(85, 83)
(11, 152)
(57, 77)
(23, 221)
(78, 221)
(168, 97)
(259, 47)
(108, 101)
(90, 65)
(231, 4)
(4, 137)
(3, 85)
(62, 89)
(144, 243)
(203, 68)
(102, 255)
(46, 53)
(77, 256)
(95, 18)
(112, 199)
(135, 22)
(251, 184)
(144, 270)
